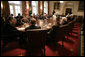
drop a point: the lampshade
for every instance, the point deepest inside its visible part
(1, 5)
(61, 1)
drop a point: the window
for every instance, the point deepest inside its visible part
(17, 10)
(35, 7)
(46, 7)
(11, 9)
(14, 2)
(15, 7)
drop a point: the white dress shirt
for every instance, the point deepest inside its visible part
(54, 20)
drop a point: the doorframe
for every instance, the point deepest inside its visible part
(69, 7)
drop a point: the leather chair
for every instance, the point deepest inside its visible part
(36, 39)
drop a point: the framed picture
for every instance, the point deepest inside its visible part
(57, 5)
(81, 6)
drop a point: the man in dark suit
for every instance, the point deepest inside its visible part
(41, 16)
(32, 26)
(2, 22)
(11, 32)
(51, 36)
(19, 16)
(10, 25)
(53, 12)
(64, 21)
(44, 16)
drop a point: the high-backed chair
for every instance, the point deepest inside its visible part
(36, 39)
(63, 31)
(7, 38)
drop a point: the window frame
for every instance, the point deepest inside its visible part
(14, 10)
(36, 7)
(46, 7)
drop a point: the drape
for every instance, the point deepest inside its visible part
(23, 7)
(6, 9)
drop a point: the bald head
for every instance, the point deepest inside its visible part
(33, 21)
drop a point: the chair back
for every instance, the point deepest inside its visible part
(36, 37)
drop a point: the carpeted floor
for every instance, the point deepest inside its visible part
(53, 49)
(70, 46)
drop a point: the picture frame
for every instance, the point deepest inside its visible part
(81, 6)
(57, 5)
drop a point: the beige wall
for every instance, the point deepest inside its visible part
(76, 12)
(67, 4)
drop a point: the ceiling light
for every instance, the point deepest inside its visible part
(61, 1)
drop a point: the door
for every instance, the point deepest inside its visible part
(68, 10)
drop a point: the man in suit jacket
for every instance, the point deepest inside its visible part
(12, 33)
(9, 31)
(41, 16)
(10, 25)
(32, 26)
(53, 12)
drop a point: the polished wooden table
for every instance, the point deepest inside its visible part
(44, 24)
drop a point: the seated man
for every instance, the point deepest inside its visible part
(31, 17)
(33, 26)
(25, 20)
(52, 34)
(11, 15)
(19, 16)
(41, 17)
(10, 25)
(44, 16)
(37, 16)
(12, 33)
(2, 24)
(49, 16)
(70, 17)
(9, 30)
(19, 22)
(63, 21)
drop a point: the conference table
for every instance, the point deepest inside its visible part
(44, 24)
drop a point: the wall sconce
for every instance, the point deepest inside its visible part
(41, 7)
(1, 5)
(61, 1)
(27, 5)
